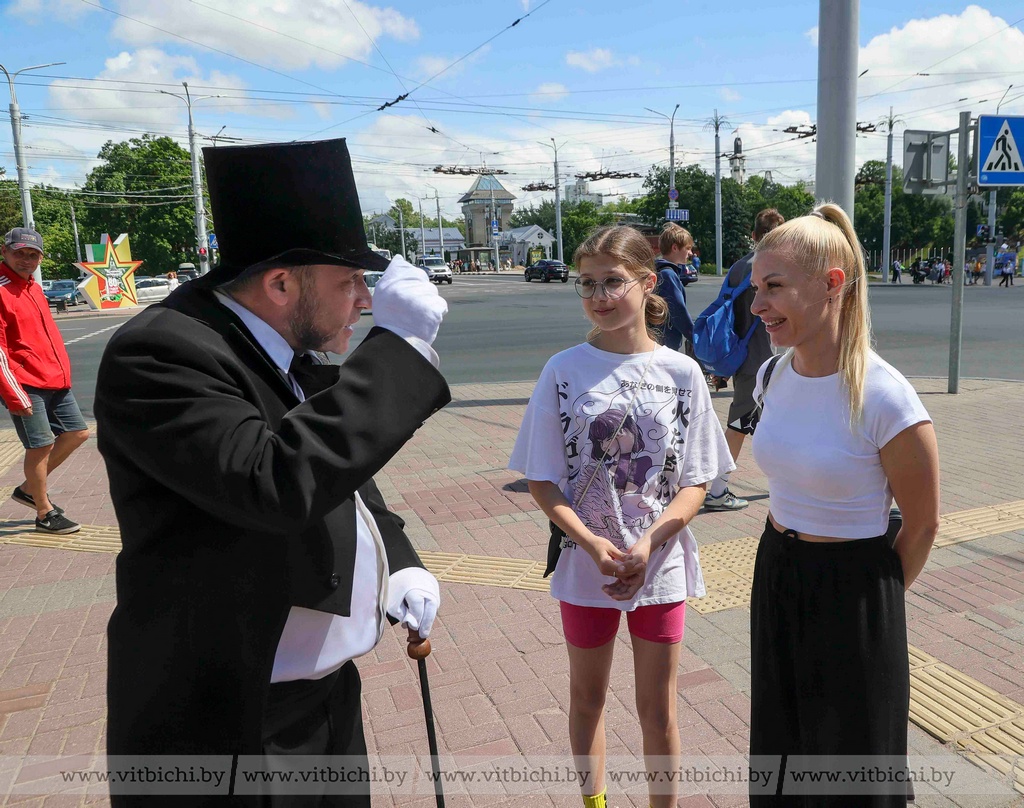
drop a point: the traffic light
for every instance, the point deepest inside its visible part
(202, 251)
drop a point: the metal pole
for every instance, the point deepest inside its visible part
(401, 229)
(838, 27)
(202, 241)
(74, 228)
(440, 230)
(887, 225)
(990, 247)
(672, 157)
(423, 237)
(718, 199)
(558, 206)
(963, 170)
(494, 218)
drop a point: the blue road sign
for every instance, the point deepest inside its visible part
(677, 215)
(1000, 140)
(213, 241)
(673, 194)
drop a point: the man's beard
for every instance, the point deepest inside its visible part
(303, 322)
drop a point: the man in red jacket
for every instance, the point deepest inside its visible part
(35, 379)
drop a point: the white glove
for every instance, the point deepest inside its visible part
(413, 598)
(406, 303)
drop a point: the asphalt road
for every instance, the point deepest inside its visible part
(500, 328)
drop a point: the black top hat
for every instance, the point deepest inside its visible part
(290, 203)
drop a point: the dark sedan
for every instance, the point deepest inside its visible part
(64, 292)
(547, 270)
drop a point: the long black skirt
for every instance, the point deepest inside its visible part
(830, 675)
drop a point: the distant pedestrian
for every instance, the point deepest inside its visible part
(841, 434)
(759, 349)
(35, 380)
(172, 281)
(617, 445)
(897, 271)
(676, 246)
(976, 272)
(1007, 276)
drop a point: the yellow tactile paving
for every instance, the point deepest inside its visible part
(947, 703)
(1000, 748)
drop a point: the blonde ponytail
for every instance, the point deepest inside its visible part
(819, 242)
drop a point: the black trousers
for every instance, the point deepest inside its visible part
(320, 718)
(830, 674)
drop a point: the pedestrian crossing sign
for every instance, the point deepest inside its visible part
(1000, 141)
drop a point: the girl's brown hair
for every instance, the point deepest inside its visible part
(629, 246)
(817, 243)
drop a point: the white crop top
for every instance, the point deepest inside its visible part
(824, 478)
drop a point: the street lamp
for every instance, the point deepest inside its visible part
(672, 203)
(440, 228)
(27, 216)
(558, 202)
(202, 242)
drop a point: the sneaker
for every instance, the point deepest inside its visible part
(727, 502)
(57, 524)
(23, 497)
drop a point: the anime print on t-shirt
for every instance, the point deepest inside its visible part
(622, 482)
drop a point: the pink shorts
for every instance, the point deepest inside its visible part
(592, 627)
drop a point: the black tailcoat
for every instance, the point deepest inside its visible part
(235, 503)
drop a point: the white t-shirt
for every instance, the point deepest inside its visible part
(824, 478)
(671, 440)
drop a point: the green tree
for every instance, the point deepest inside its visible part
(146, 191)
(51, 208)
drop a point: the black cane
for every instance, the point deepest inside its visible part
(419, 649)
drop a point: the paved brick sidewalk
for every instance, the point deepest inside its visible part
(499, 672)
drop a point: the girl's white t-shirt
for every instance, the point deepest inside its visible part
(671, 439)
(824, 478)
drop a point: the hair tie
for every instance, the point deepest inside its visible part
(819, 214)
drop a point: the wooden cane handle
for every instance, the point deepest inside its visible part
(419, 648)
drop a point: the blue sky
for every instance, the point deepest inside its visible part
(581, 73)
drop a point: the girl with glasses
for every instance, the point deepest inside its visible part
(840, 434)
(618, 444)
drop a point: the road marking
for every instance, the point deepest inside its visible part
(93, 334)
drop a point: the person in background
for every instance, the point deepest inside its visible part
(675, 245)
(35, 380)
(759, 349)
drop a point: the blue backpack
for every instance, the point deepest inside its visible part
(715, 343)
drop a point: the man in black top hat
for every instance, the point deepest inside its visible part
(259, 558)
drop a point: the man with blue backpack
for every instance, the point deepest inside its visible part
(732, 342)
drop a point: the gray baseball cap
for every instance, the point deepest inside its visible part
(20, 237)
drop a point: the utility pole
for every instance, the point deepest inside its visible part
(558, 205)
(963, 170)
(716, 123)
(835, 169)
(990, 247)
(890, 122)
(440, 230)
(494, 223)
(27, 216)
(401, 229)
(672, 202)
(202, 241)
(74, 229)
(423, 238)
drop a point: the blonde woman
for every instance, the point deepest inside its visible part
(841, 434)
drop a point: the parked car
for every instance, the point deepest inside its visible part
(64, 291)
(688, 274)
(547, 270)
(371, 277)
(149, 290)
(187, 275)
(436, 268)
(45, 286)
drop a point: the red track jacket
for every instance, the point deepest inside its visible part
(31, 347)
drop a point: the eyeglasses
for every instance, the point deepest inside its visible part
(612, 288)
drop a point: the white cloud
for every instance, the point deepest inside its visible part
(526, 4)
(593, 60)
(730, 95)
(812, 35)
(549, 92)
(429, 66)
(105, 102)
(283, 34)
(39, 11)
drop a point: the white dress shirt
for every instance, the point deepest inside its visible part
(313, 643)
